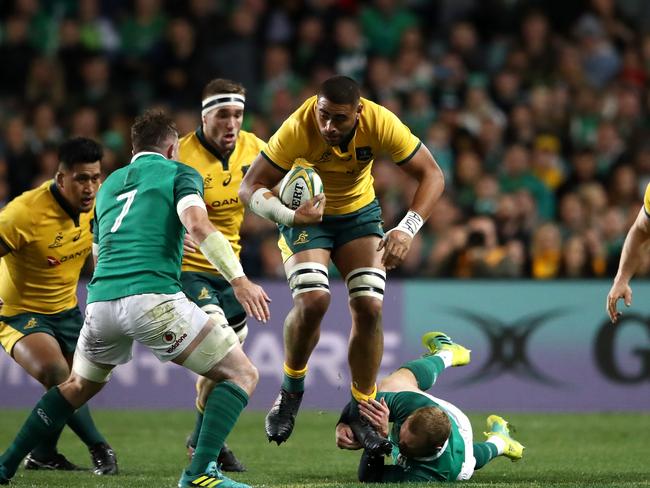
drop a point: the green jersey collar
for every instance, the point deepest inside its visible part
(145, 153)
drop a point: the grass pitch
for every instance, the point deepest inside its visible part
(562, 450)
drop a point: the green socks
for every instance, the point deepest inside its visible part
(426, 370)
(194, 436)
(484, 452)
(47, 447)
(83, 425)
(49, 416)
(293, 385)
(222, 410)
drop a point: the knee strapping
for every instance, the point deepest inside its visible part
(89, 370)
(213, 348)
(216, 313)
(366, 282)
(305, 277)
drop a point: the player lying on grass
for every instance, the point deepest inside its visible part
(432, 439)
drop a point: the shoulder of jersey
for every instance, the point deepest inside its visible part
(31, 198)
(250, 139)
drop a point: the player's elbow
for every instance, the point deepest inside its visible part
(244, 193)
(199, 229)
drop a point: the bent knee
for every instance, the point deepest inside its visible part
(50, 375)
(246, 377)
(367, 311)
(312, 305)
(251, 376)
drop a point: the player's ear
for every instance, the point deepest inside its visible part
(59, 178)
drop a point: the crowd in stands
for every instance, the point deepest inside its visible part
(537, 111)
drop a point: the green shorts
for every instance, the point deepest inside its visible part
(207, 288)
(63, 326)
(333, 232)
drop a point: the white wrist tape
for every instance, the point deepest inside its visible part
(218, 251)
(267, 205)
(411, 223)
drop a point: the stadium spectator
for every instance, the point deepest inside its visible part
(521, 75)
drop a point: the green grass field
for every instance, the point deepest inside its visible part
(563, 450)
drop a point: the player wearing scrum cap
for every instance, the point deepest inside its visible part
(339, 134)
(222, 153)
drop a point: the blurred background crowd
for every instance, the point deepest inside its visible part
(537, 111)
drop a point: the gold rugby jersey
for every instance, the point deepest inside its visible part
(49, 245)
(646, 200)
(221, 180)
(345, 171)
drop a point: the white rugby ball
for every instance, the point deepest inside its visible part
(299, 185)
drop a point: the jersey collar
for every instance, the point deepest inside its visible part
(63, 203)
(145, 153)
(346, 142)
(211, 149)
(436, 455)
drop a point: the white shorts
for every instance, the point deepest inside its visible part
(166, 324)
(465, 429)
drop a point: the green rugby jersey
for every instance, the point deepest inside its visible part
(137, 228)
(444, 467)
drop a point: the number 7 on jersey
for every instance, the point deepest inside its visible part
(129, 196)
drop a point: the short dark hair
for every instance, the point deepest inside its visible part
(222, 85)
(152, 130)
(79, 150)
(340, 89)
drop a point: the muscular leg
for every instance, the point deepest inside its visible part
(302, 327)
(302, 324)
(366, 337)
(41, 356)
(366, 344)
(308, 280)
(48, 416)
(235, 378)
(365, 278)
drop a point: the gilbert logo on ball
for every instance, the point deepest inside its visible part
(299, 185)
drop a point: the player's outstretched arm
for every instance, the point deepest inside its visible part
(637, 236)
(431, 183)
(216, 248)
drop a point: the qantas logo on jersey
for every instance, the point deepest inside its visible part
(53, 261)
(225, 202)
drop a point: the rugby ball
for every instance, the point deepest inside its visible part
(299, 185)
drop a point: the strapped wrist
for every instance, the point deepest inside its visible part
(218, 251)
(267, 205)
(411, 223)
